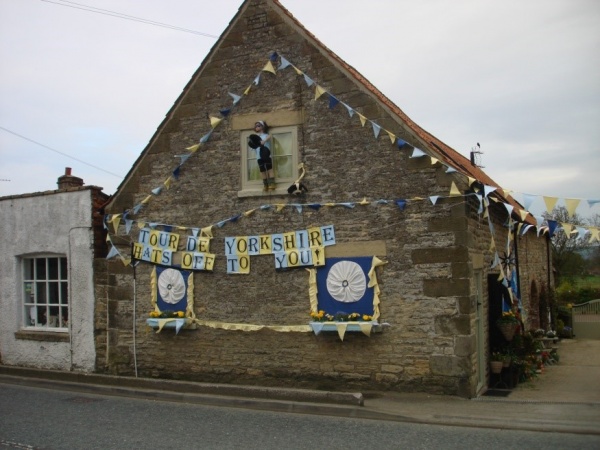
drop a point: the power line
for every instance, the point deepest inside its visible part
(108, 12)
(60, 153)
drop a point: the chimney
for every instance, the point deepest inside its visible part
(69, 181)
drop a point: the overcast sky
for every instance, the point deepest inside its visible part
(521, 77)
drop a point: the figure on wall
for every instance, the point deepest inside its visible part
(261, 143)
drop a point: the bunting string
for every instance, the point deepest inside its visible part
(113, 221)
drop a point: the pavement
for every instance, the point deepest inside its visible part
(564, 398)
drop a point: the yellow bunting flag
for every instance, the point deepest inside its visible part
(572, 204)
(116, 220)
(364, 201)
(523, 214)
(214, 121)
(247, 91)
(319, 91)
(550, 203)
(298, 71)
(567, 227)
(595, 234)
(434, 161)
(249, 212)
(454, 192)
(193, 148)
(392, 136)
(207, 231)
(362, 118)
(279, 207)
(269, 68)
(471, 180)
(507, 193)
(167, 183)
(146, 200)
(126, 261)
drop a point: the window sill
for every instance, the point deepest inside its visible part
(45, 336)
(344, 327)
(258, 192)
(177, 324)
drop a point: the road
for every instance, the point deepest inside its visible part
(38, 418)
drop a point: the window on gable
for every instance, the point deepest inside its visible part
(45, 293)
(284, 152)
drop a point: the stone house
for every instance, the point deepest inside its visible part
(49, 241)
(426, 233)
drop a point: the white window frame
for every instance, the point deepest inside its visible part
(45, 296)
(255, 187)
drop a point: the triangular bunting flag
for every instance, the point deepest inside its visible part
(349, 109)
(236, 98)
(309, 81)
(454, 192)
(401, 203)
(112, 253)
(376, 129)
(572, 204)
(362, 118)
(523, 214)
(283, 63)
(214, 121)
(332, 101)
(550, 203)
(417, 153)
(528, 199)
(205, 138)
(434, 199)
(319, 91)
(193, 148)
(552, 224)
(400, 143)
(488, 190)
(269, 68)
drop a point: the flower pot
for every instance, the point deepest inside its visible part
(508, 330)
(496, 366)
(506, 362)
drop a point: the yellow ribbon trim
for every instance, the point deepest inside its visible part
(312, 290)
(252, 327)
(189, 310)
(153, 295)
(375, 285)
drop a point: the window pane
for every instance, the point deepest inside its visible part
(53, 291)
(53, 268)
(64, 293)
(63, 269)
(28, 269)
(40, 297)
(40, 269)
(282, 155)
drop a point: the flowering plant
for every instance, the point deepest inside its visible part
(497, 356)
(322, 316)
(508, 317)
(167, 314)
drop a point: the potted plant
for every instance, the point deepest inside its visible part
(496, 362)
(508, 324)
